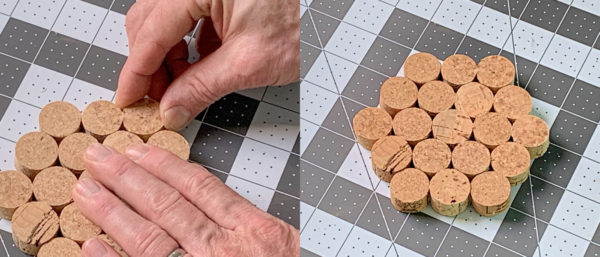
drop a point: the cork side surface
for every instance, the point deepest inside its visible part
(75, 226)
(409, 189)
(492, 129)
(121, 139)
(35, 151)
(172, 142)
(533, 133)
(59, 119)
(449, 190)
(143, 118)
(71, 150)
(34, 224)
(452, 127)
(397, 93)
(436, 96)
(512, 160)
(471, 158)
(370, 124)
(495, 72)
(431, 155)
(422, 67)
(101, 118)
(512, 101)
(15, 190)
(474, 99)
(413, 124)
(459, 69)
(54, 185)
(60, 247)
(490, 193)
(390, 155)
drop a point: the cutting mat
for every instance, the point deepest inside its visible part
(349, 48)
(73, 50)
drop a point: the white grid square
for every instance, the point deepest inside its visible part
(112, 35)
(350, 42)
(259, 163)
(354, 169)
(423, 9)
(81, 93)
(19, 119)
(80, 20)
(274, 125)
(320, 74)
(565, 55)
(341, 69)
(589, 72)
(585, 179)
(593, 148)
(316, 102)
(307, 132)
(556, 242)
(3, 21)
(362, 243)
(484, 227)
(456, 14)
(7, 6)
(306, 211)
(258, 195)
(368, 14)
(324, 233)
(190, 131)
(40, 13)
(577, 215)
(530, 41)
(545, 111)
(402, 252)
(495, 35)
(42, 86)
(7, 154)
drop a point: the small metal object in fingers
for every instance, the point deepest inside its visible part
(177, 253)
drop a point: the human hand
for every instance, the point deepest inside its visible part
(168, 203)
(244, 44)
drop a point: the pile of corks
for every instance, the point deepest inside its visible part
(451, 134)
(36, 196)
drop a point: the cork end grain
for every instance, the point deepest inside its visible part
(409, 189)
(431, 155)
(371, 124)
(513, 101)
(422, 68)
(34, 152)
(15, 190)
(59, 119)
(172, 142)
(413, 124)
(60, 247)
(435, 97)
(396, 94)
(120, 140)
(533, 133)
(490, 193)
(390, 155)
(495, 72)
(71, 150)
(471, 158)
(474, 99)
(452, 127)
(449, 190)
(511, 160)
(54, 185)
(101, 118)
(113, 244)
(458, 70)
(492, 129)
(34, 224)
(143, 118)
(75, 226)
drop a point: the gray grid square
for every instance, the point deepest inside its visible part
(290, 178)
(62, 53)
(344, 199)
(556, 166)
(313, 182)
(215, 147)
(307, 30)
(325, 25)
(393, 217)
(221, 175)
(364, 86)
(439, 41)
(101, 67)
(580, 26)
(385, 56)
(546, 197)
(12, 249)
(596, 237)
(308, 56)
(403, 27)
(286, 208)
(233, 112)
(583, 100)
(21, 39)
(335, 8)
(460, 243)
(477, 49)
(13, 72)
(592, 251)
(544, 14)
(571, 132)
(328, 150)
(518, 232)
(122, 6)
(497, 251)
(101, 3)
(422, 233)
(307, 253)
(516, 6)
(352, 107)
(372, 219)
(549, 85)
(4, 102)
(337, 121)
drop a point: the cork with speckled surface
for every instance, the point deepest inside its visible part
(512, 160)
(371, 124)
(452, 127)
(143, 118)
(60, 119)
(458, 69)
(34, 224)
(474, 99)
(492, 129)
(413, 124)
(72, 149)
(490, 193)
(54, 186)
(471, 158)
(172, 142)
(422, 68)
(101, 118)
(409, 190)
(533, 133)
(113, 244)
(75, 226)
(121, 139)
(431, 155)
(84, 174)
(436, 96)
(513, 101)
(396, 94)
(390, 155)
(495, 72)
(15, 190)
(34, 152)
(449, 190)
(60, 247)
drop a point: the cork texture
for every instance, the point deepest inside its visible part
(413, 124)
(121, 139)
(511, 160)
(143, 118)
(436, 96)
(459, 69)
(396, 94)
(490, 193)
(474, 99)
(15, 190)
(60, 247)
(54, 185)
(71, 150)
(101, 118)
(512, 101)
(390, 155)
(471, 158)
(84, 174)
(449, 190)
(59, 119)
(492, 129)
(75, 226)
(495, 72)
(172, 142)
(422, 68)
(409, 189)
(452, 127)
(34, 224)
(371, 124)
(431, 155)
(34, 152)
(533, 133)
(113, 244)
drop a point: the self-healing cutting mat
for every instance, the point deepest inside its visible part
(348, 48)
(73, 50)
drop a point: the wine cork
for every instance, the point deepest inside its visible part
(85, 174)
(60, 119)
(143, 118)
(60, 247)
(471, 158)
(396, 94)
(512, 101)
(371, 124)
(436, 96)
(113, 244)
(15, 190)
(495, 72)
(492, 129)
(34, 152)
(54, 185)
(121, 139)
(71, 150)
(75, 226)
(409, 189)
(490, 193)
(474, 99)
(512, 160)
(431, 155)
(458, 69)
(452, 127)
(533, 133)
(101, 118)
(34, 224)
(422, 68)
(413, 124)
(390, 155)
(449, 190)
(172, 142)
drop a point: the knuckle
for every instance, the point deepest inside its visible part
(121, 167)
(273, 231)
(161, 202)
(105, 207)
(200, 185)
(200, 91)
(150, 241)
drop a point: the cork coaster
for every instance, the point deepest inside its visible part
(533, 133)
(75, 226)
(71, 150)
(172, 142)
(436, 96)
(471, 158)
(121, 139)
(409, 189)
(143, 118)
(422, 68)
(490, 193)
(458, 70)
(449, 190)
(54, 185)
(495, 72)
(34, 152)
(413, 124)
(396, 94)
(452, 127)
(390, 155)
(512, 101)
(492, 129)
(15, 190)
(474, 99)
(34, 224)
(60, 247)
(511, 160)
(59, 119)
(113, 244)
(101, 118)
(371, 124)
(431, 155)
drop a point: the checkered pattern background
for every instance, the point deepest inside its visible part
(73, 50)
(348, 48)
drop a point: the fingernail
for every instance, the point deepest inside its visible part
(97, 152)
(137, 151)
(87, 187)
(94, 248)
(176, 118)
